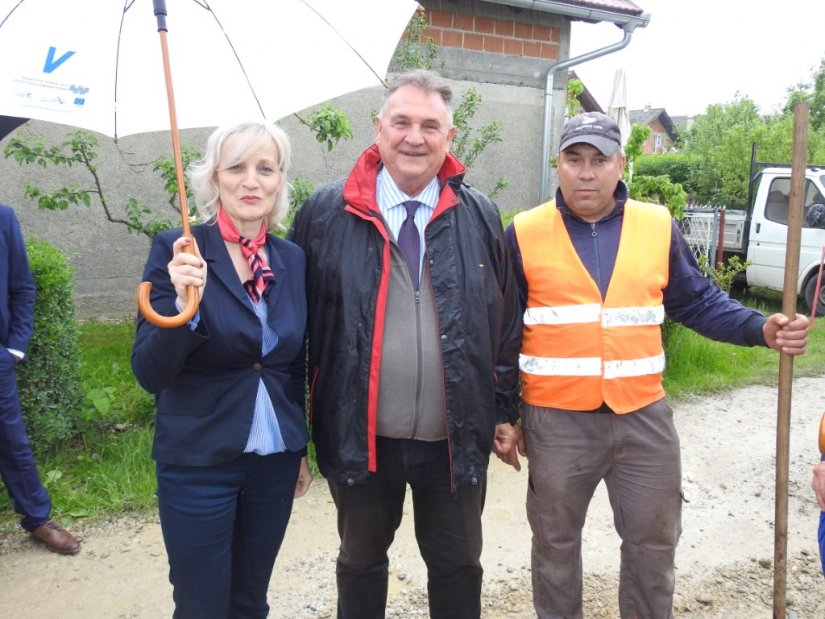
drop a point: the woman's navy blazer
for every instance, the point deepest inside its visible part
(205, 380)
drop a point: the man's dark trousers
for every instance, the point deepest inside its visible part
(447, 528)
(17, 466)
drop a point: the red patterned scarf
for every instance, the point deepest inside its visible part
(262, 275)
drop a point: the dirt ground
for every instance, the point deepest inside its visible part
(724, 562)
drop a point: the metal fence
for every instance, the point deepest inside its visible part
(700, 227)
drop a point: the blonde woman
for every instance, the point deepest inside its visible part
(230, 437)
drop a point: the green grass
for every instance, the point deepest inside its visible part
(105, 367)
(696, 365)
(113, 475)
(109, 471)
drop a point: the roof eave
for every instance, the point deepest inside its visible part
(626, 21)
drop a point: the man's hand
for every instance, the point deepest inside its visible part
(508, 443)
(818, 484)
(304, 479)
(788, 336)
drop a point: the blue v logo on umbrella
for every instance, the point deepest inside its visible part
(51, 63)
(272, 59)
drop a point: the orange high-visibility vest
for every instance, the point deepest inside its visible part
(580, 351)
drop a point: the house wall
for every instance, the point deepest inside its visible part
(495, 43)
(664, 141)
(109, 260)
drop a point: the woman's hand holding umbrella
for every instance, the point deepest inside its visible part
(187, 268)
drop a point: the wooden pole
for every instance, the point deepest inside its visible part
(783, 416)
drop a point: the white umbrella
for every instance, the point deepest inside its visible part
(97, 64)
(618, 108)
(101, 65)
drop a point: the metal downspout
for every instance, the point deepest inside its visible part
(548, 100)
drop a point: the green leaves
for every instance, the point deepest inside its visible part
(660, 190)
(78, 148)
(49, 384)
(468, 142)
(657, 189)
(166, 167)
(575, 88)
(329, 124)
(59, 200)
(636, 143)
(724, 273)
(721, 139)
(412, 52)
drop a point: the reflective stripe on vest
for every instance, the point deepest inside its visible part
(590, 366)
(579, 351)
(593, 312)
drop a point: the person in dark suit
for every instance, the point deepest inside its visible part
(17, 465)
(230, 435)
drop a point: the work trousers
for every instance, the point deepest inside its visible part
(17, 466)
(447, 528)
(638, 457)
(223, 526)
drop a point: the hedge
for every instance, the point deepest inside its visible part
(49, 382)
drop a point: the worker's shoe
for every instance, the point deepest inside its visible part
(56, 538)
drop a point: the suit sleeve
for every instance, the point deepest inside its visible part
(21, 290)
(159, 354)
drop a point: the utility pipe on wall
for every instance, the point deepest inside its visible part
(628, 23)
(546, 137)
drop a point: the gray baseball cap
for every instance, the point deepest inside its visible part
(592, 128)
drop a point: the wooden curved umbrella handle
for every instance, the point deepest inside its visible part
(192, 300)
(167, 322)
(822, 434)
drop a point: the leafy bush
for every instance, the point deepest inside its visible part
(676, 166)
(724, 273)
(659, 190)
(49, 383)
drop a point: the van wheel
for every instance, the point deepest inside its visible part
(810, 289)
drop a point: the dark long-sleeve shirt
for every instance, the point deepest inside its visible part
(690, 298)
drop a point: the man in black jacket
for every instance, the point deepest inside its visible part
(413, 349)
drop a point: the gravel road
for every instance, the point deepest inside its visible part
(724, 561)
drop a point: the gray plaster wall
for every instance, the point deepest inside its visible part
(109, 261)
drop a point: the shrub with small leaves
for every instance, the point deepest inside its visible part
(49, 382)
(659, 190)
(724, 273)
(329, 124)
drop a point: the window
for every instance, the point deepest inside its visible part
(814, 207)
(776, 208)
